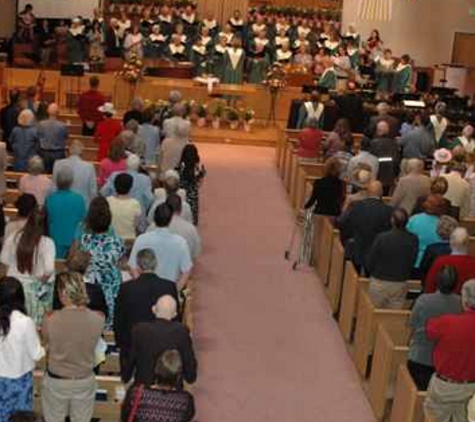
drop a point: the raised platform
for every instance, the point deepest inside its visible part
(65, 90)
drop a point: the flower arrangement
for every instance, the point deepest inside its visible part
(132, 70)
(276, 78)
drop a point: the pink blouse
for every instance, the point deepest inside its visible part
(40, 186)
(107, 167)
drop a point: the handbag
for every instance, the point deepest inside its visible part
(135, 403)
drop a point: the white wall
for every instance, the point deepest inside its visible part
(422, 28)
(60, 8)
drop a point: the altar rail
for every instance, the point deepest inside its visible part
(66, 89)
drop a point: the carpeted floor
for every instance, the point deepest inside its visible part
(268, 348)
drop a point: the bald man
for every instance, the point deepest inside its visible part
(53, 135)
(363, 222)
(150, 339)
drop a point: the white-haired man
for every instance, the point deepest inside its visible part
(141, 187)
(411, 187)
(150, 339)
(52, 135)
(453, 384)
(459, 258)
(85, 181)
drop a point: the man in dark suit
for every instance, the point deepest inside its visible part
(363, 222)
(135, 301)
(151, 339)
(383, 109)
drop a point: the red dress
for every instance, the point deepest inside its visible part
(309, 143)
(106, 131)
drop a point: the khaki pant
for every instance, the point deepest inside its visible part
(387, 294)
(73, 398)
(447, 402)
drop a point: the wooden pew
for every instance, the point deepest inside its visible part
(469, 224)
(408, 402)
(10, 197)
(368, 319)
(10, 212)
(337, 270)
(305, 170)
(390, 351)
(353, 285)
(323, 246)
(471, 246)
(110, 390)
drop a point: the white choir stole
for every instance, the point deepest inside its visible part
(375, 10)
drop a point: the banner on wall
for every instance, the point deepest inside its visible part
(375, 10)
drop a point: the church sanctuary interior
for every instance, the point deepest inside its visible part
(237, 210)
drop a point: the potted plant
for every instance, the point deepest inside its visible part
(202, 112)
(217, 115)
(233, 117)
(248, 118)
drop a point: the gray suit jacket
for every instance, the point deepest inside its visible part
(85, 182)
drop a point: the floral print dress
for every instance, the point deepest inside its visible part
(106, 250)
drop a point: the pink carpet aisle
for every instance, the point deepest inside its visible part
(268, 348)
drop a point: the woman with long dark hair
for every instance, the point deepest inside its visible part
(29, 256)
(105, 248)
(20, 349)
(191, 175)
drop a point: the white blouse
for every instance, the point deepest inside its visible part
(43, 260)
(21, 348)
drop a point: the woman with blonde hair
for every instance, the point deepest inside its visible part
(35, 182)
(71, 335)
(24, 140)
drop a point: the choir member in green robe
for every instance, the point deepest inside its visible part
(311, 109)
(234, 63)
(217, 57)
(236, 22)
(385, 71)
(210, 23)
(328, 79)
(199, 57)
(155, 44)
(206, 38)
(76, 42)
(332, 44)
(284, 54)
(353, 54)
(176, 50)
(258, 64)
(403, 76)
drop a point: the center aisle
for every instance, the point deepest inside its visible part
(268, 348)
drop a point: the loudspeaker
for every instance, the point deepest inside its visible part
(72, 70)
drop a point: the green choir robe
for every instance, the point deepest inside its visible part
(328, 79)
(385, 75)
(76, 44)
(402, 79)
(310, 109)
(354, 56)
(233, 66)
(199, 57)
(257, 67)
(217, 57)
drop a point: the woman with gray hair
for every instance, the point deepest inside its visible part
(65, 210)
(71, 335)
(36, 183)
(24, 140)
(172, 147)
